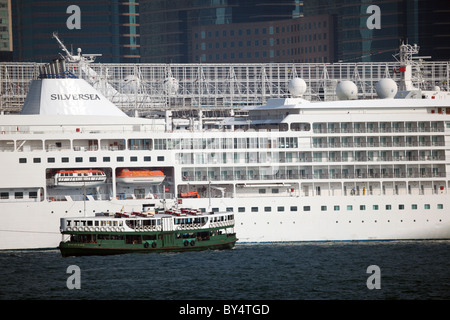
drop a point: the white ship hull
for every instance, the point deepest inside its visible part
(41, 229)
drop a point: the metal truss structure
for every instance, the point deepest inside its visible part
(211, 87)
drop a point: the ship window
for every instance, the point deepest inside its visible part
(119, 159)
(388, 207)
(427, 206)
(51, 160)
(293, 208)
(375, 207)
(275, 190)
(414, 206)
(440, 206)
(65, 159)
(133, 159)
(362, 207)
(337, 208)
(267, 209)
(92, 159)
(280, 209)
(254, 209)
(78, 159)
(306, 208)
(36, 160)
(22, 160)
(401, 207)
(4, 195)
(323, 208)
(160, 158)
(147, 158)
(32, 195)
(18, 195)
(241, 209)
(106, 159)
(349, 207)
(261, 191)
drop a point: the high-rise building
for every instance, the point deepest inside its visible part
(6, 45)
(108, 27)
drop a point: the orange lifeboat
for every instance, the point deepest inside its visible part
(140, 176)
(192, 194)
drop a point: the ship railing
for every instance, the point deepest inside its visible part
(89, 197)
(132, 196)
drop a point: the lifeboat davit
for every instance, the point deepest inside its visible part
(79, 178)
(140, 176)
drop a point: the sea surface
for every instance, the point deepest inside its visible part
(287, 271)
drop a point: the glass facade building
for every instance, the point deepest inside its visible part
(107, 27)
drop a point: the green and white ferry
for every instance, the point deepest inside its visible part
(174, 230)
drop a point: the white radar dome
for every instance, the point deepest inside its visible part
(346, 90)
(297, 87)
(386, 88)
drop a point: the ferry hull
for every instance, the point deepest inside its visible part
(68, 250)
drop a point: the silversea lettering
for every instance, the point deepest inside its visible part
(80, 96)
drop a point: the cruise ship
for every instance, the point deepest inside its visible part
(292, 170)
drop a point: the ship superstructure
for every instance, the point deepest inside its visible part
(292, 170)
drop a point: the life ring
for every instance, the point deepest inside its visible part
(154, 245)
(146, 245)
(192, 243)
(186, 243)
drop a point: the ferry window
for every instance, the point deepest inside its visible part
(362, 207)
(4, 195)
(92, 159)
(18, 195)
(160, 158)
(254, 209)
(32, 195)
(306, 208)
(323, 208)
(106, 159)
(65, 159)
(22, 160)
(51, 160)
(147, 158)
(375, 207)
(78, 159)
(133, 159)
(36, 160)
(337, 208)
(293, 208)
(241, 209)
(427, 206)
(280, 209)
(401, 207)
(414, 206)
(262, 191)
(119, 159)
(349, 207)
(267, 209)
(275, 190)
(388, 207)
(440, 206)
